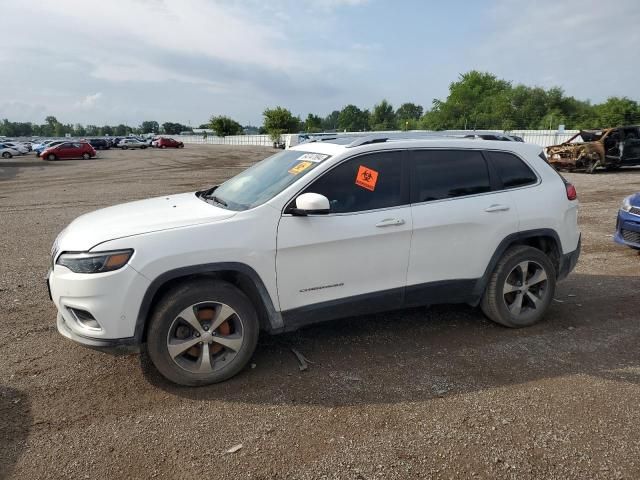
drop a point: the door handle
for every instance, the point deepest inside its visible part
(390, 222)
(497, 208)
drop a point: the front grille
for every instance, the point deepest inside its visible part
(635, 210)
(629, 236)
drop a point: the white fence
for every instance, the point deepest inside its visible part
(543, 138)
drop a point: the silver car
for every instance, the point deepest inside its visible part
(126, 143)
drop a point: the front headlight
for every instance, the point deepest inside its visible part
(98, 262)
(626, 204)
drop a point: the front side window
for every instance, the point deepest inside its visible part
(366, 182)
(266, 179)
(443, 174)
(512, 171)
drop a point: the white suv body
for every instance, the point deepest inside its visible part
(321, 231)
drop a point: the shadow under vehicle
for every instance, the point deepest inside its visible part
(587, 150)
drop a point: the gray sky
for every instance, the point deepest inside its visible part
(124, 61)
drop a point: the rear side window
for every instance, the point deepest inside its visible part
(367, 182)
(442, 174)
(512, 171)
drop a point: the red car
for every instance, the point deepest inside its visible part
(167, 143)
(69, 150)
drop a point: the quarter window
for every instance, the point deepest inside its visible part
(512, 171)
(442, 174)
(367, 182)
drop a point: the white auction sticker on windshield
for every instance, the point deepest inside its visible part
(312, 157)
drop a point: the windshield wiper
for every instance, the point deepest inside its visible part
(218, 200)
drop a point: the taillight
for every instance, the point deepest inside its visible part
(571, 191)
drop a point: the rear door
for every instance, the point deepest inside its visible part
(356, 256)
(458, 222)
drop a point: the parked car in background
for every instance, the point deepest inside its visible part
(164, 142)
(43, 146)
(126, 143)
(502, 137)
(7, 151)
(324, 230)
(20, 147)
(67, 150)
(628, 222)
(587, 150)
(99, 143)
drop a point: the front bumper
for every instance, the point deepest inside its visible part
(627, 229)
(115, 346)
(113, 299)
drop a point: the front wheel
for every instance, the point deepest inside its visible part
(86, 156)
(6, 155)
(520, 288)
(203, 332)
(51, 157)
(163, 146)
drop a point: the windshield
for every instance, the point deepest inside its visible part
(265, 179)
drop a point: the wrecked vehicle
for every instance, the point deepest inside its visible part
(587, 150)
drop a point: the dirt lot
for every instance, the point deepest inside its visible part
(423, 393)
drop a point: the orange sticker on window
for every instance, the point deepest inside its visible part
(367, 178)
(300, 167)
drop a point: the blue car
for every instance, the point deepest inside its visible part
(38, 149)
(628, 223)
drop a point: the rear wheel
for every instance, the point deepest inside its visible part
(6, 155)
(520, 288)
(203, 332)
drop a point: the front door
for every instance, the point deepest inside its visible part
(354, 259)
(67, 150)
(631, 146)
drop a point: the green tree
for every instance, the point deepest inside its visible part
(352, 119)
(408, 116)
(79, 130)
(106, 130)
(617, 111)
(92, 130)
(149, 126)
(280, 120)
(383, 117)
(313, 123)
(121, 130)
(171, 128)
(330, 122)
(225, 126)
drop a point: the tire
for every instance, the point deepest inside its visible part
(6, 155)
(86, 156)
(124, 148)
(143, 147)
(51, 157)
(168, 328)
(181, 146)
(534, 299)
(163, 146)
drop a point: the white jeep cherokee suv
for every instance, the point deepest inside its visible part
(328, 229)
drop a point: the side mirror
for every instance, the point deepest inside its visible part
(311, 203)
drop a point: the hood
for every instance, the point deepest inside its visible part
(135, 218)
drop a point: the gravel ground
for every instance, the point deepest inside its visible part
(422, 393)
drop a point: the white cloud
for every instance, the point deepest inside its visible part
(89, 101)
(585, 46)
